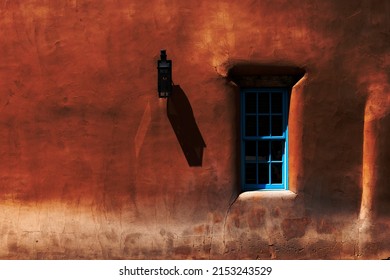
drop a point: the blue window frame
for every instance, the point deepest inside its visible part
(264, 139)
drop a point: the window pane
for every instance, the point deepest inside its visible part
(277, 102)
(250, 125)
(277, 125)
(263, 102)
(250, 150)
(264, 126)
(263, 150)
(250, 102)
(250, 173)
(276, 173)
(277, 150)
(263, 173)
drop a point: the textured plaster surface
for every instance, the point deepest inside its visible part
(90, 165)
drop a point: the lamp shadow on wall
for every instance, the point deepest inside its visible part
(181, 117)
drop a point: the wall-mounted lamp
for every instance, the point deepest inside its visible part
(164, 71)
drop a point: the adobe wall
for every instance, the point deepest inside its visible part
(91, 167)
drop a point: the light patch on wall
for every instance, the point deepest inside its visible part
(163, 14)
(217, 34)
(377, 107)
(378, 101)
(131, 10)
(142, 129)
(38, 11)
(74, 3)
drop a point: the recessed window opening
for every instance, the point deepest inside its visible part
(264, 93)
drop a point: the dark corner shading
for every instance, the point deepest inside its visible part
(183, 122)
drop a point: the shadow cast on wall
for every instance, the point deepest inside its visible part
(183, 122)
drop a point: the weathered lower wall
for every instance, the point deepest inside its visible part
(91, 167)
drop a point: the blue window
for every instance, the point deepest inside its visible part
(264, 139)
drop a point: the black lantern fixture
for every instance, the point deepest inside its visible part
(164, 71)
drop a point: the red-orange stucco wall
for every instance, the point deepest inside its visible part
(91, 167)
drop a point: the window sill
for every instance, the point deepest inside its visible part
(267, 194)
(281, 203)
